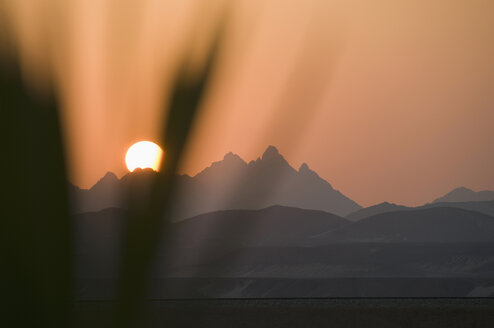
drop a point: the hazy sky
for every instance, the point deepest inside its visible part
(387, 100)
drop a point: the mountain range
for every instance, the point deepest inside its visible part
(263, 228)
(463, 194)
(438, 224)
(230, 183)
(485, 207)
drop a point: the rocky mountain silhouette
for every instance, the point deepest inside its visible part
(269, 180)
(103, 194)
(463, 194)
(228, 184)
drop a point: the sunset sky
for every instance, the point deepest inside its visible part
(387, 100)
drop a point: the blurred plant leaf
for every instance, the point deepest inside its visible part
(147, 218)
(35, 230)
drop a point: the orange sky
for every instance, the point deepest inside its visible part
(387, 100)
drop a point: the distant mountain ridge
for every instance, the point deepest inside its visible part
(228, 184)
(436, 224)
(464, 198)
(463, 194)
(374, 210)
(103, 194)
(486, 208)
(233, 183)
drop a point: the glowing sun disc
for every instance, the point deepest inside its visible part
(143, 154)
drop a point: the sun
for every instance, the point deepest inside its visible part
(143, 154)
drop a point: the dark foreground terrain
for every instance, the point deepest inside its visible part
(253, 288)
(288, 252)
(368, 313)
(338, 270)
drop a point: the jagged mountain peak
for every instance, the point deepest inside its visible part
(305, 171)
(271, 153)
(232, 157)
(110, 176)
(271, 158)
(304, 168)
(230, 161)
(108, 179)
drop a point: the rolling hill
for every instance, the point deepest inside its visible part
(438, 224)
